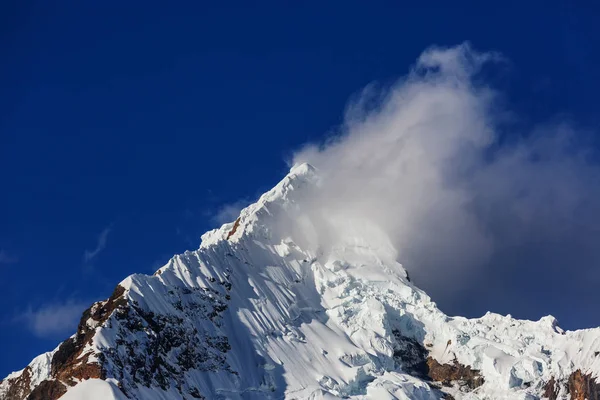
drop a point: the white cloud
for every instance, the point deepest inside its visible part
(90, 255)
(229, 212)
(424, 162)
(53, 319)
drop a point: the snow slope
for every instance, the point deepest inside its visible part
(94, 389)
(263, 310)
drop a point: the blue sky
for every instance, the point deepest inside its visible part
(126, 128)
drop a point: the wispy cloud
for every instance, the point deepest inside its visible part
(90, 255)
(229, 212)
(6, 258)
(54, 319)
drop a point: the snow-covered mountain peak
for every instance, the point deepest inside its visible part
(292, 302)
(301, 179)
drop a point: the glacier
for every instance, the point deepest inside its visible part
(263, 310)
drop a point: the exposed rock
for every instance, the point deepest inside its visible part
(162, 359)
(236, 224)
(170, 345)
(196, 394)
(66, 351)
(579, 386)
(411, 355)
(48, 390)
(68, 364)
(81, 371)
(583, 387)
(455, 372)
(551, 390)
(20, 386)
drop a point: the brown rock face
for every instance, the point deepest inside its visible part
(81, 371)
(551, 390)
(579, 386)
(447, 373)
(414, 360)
(583, 387)
(48, 390)
(19, 386)
(68, 364)
(236, 224)
(170, 345)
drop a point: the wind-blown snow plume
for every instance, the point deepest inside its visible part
(429, 161)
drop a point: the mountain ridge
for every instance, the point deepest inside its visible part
(263, 309)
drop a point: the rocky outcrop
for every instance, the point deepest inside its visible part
(578, 386)
(551, 390)
(48, 390)
(583, 387)
(151, 349)
(414, 360)
(20, 386)
(236, 224)
(172, 345)
(410, 355)
(455, 372)
(69, 363)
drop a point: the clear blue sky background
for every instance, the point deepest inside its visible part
(125, 125)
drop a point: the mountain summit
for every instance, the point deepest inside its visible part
(272, 306)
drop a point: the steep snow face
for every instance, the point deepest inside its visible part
(264, 310)
(94, 389)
